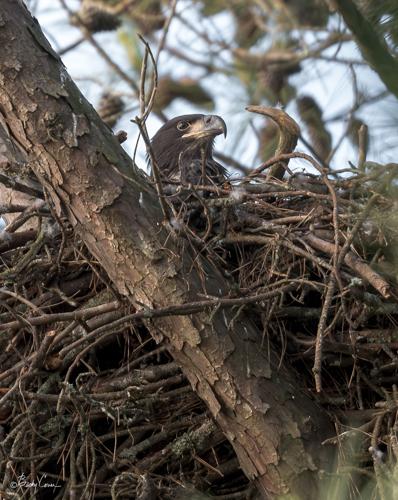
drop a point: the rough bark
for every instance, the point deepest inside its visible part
(14, 163)
(275, 428)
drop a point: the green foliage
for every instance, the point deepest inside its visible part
(384, 15)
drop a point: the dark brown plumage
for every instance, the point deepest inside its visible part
(183, 149)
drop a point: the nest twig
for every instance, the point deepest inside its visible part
(88, 400)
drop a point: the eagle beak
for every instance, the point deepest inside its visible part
(208, 126)
(215, 123)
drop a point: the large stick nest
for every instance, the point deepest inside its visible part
(91, 403)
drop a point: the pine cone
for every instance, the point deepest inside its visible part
(95, 17)
(309, 12)
(247, 30)
(311, 114)
(147, 15)
(110, 108)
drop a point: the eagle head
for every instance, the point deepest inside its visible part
(183, 142)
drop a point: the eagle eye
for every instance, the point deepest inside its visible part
(182, 125)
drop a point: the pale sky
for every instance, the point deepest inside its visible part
(330, 84)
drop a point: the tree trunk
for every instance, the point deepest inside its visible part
(275, 428)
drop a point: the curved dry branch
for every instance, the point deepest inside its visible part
(289, 132)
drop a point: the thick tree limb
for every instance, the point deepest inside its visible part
(275, 428)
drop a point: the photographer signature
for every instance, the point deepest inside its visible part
(23, 481)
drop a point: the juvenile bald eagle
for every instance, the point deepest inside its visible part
(183, 149)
